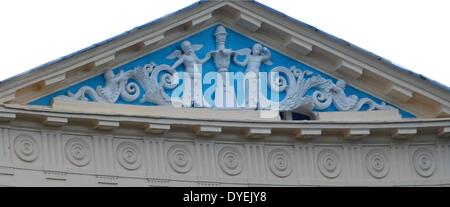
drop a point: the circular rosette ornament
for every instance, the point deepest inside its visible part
(230, 161)
(180, 159)
(77, 152)
(280, 163)
(424, 162)
(26, 148)
(329, 163)
(128, 155)
(377, 164)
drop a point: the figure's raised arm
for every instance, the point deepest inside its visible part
(205, 59)
(176, 54)
(266, 56)
(177, 63)
(242, 52)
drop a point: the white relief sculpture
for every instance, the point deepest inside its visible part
(293, 81)
(297, 83)
(116, 86)
(224, 90)
(336, 93)
(187, 57)
(221, 55)
(147, 77)
(192, 64)
(253, 60)
(304, 92)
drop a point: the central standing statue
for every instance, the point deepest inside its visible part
(221, 55)
(225, 96)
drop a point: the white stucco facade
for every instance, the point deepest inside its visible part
(76, 141)
(102, 151)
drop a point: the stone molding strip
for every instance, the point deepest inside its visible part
(398, 129)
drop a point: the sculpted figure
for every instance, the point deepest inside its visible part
(116, 86)
(188, 57)
(111, 90)
(340, 99)
(335, 93)
(253, 60)
(224, 93)
(193, 85)
(221, 55)
(352, 103)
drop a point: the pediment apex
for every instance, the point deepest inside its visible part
(292, 38)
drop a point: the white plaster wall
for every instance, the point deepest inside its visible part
(30, 157)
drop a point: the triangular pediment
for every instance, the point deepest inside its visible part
(315, 73)
(219, 52)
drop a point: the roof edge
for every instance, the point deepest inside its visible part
(355, 47)
(135, 29)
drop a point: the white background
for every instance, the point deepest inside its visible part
(412, 33)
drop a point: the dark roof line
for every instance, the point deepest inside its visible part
(302, 24)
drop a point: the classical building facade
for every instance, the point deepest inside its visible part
(224, 93)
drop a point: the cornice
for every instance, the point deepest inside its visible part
(210, 127)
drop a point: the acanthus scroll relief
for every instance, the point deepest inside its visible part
(152, 82)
